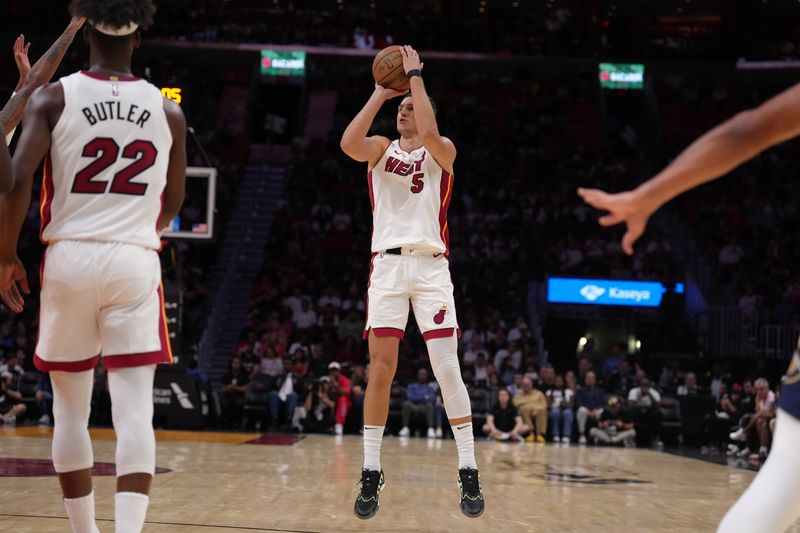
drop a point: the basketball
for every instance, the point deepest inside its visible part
(387, 69)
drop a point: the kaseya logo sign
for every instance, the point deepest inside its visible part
(592, 292)
(608, 292)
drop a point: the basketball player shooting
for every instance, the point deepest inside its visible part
(113, 147)
(772, 502)
(410, 185)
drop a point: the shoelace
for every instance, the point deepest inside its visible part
(369, 484)
(469, 480)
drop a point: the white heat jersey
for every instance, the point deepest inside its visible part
(410, 193)
(107, 166)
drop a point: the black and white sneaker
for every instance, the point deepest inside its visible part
(471, 496)
(369, 490)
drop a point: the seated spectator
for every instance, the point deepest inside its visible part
(758, 425)
(645, 402)
(340, 387)
(719, 424)
(570, 381)
(351, 326)
(287, 388)
(584, 367)
(234, 385)
(503, 422)
(671, 376)
(271, 364)
(12, 370)
(421, 400)
(689, 387)
(590, 401)
(44, 398)
(319, 407)
(621, 381)
(560, 400)
(613, 361)
(532, 407)
(304, 318)
(547, 378)
(11, 406)
(481, 373)
(515, 387)
(615, 425)
(507, 371)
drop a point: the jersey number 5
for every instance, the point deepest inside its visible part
(106, 152)
(416, 183)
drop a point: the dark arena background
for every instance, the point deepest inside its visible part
(266, 267)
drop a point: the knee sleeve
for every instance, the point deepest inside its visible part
(131, 392)
(443, 354)
(72, 403)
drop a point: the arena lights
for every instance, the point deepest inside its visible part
(607, 292)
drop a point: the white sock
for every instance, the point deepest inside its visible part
(772, 501)
(130, 511)
(373, 437)
(81, 513)
(465, 442)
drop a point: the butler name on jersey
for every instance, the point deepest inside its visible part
(410, 194)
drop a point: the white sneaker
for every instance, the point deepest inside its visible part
(582, 440)
(739, 435)
(338, 429)
(44, 420)
(405, 432)
(431, 433)
(439, 434)
(10, 421)
(565, 440)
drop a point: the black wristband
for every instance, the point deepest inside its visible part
(415, 72)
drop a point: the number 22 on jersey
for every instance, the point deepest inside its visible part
(106, 151)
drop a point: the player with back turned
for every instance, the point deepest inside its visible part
(772, 502)
(114, 177)
(411, 184)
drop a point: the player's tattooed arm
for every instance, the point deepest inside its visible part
(40, 74)
(716, 153)
(441, 148)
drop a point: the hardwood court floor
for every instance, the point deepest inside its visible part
(219, 484)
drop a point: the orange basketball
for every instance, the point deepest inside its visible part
(387, 69)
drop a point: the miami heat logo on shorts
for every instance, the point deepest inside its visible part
(438, 318)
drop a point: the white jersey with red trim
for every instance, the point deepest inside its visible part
(410, 193)
(107, 166)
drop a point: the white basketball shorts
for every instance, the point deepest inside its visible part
(101, 299)
(424, 280)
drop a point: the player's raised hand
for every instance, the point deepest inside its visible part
(411, 59)
(386, 93)
(625, 207)
(13, 277)
(22, 60)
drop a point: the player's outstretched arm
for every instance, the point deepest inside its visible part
(441, 148)
(175, 190)
(355, 142)
(22, 61)
(41, 114)
(40, 74)
(714, 154)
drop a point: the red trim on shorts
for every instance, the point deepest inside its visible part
(388, 332)
(46, 197)
(108, 77)
(445, 194)
(164, 355)
(135, 359)
(70, 366)
(438, 333)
